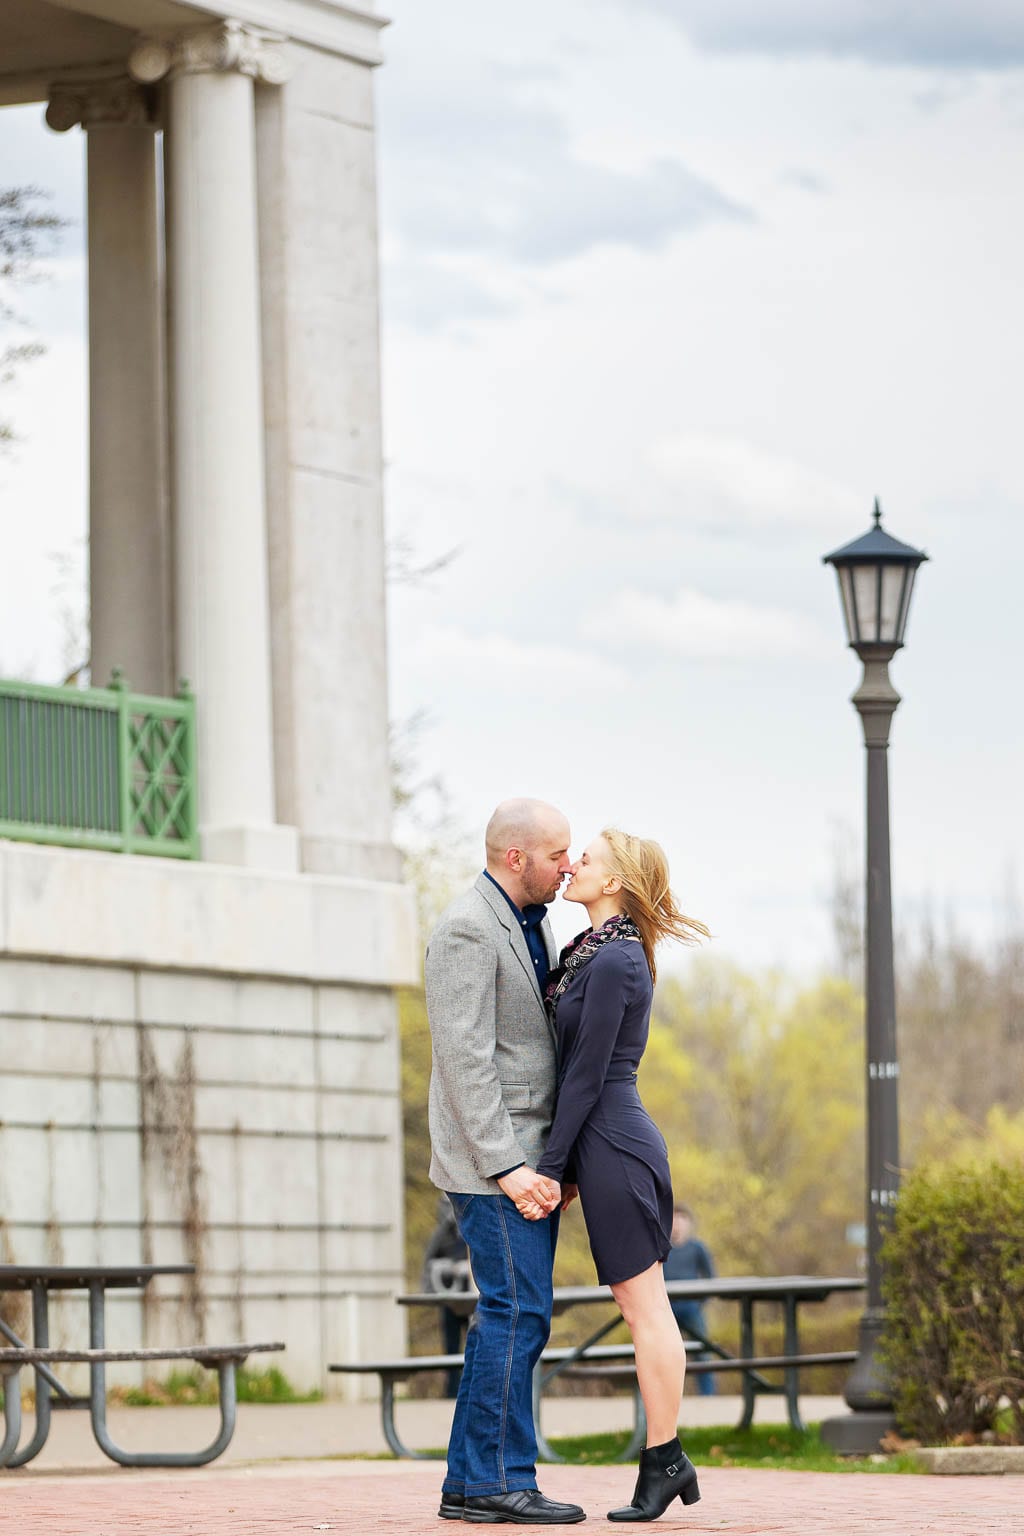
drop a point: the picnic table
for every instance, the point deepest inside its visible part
(789, 1292)
(41, 1281)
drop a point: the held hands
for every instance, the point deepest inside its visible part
(569, 1193)
(533, 1194)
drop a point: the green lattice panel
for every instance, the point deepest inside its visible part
(161, 779)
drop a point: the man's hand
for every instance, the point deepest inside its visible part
(569, 1193)
(533, 1194)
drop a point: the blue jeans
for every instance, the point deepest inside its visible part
(690, 1317)
(493, 1444)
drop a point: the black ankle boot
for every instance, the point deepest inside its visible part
(665, 1474)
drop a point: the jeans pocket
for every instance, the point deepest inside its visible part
(460, 1203)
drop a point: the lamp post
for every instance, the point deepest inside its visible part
(876, 577)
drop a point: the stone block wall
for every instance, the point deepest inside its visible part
(247, 1124)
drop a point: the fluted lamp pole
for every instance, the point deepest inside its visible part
(876, 577)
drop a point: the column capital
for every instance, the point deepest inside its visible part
(115, 100)
(227, 45)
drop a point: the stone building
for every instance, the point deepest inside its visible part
(199, 1055)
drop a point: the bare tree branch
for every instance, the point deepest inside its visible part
(28, 234)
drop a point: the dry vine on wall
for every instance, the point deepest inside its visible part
(170, 1145)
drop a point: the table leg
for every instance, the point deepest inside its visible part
(228, 1399)
(747, 1353)
(580, 1351)
(10, 1381)
(387, 1423)
(545, 1450)
(226, 1370)
(45, 1380)
(541, 1377)
(791, 1373)
(97, 1372)
(638, 1439)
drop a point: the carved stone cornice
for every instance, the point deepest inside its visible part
(89, 102)
(227, 45)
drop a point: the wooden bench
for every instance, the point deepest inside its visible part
(754, 1365)
(747, 1292)
(626, 1372)
(393, 1371)
(224, 1358)
(751, 1366)
(599, 1362)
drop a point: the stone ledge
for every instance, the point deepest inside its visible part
(971, 1460)
(350, 28)
(118, 909)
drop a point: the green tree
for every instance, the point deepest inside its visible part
(758, 1089)
(961, 1030)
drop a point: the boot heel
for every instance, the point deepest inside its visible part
(691, 1493)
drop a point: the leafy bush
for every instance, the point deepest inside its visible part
(199, 1386)
(954, 1288)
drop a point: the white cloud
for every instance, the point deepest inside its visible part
(703, 628)
(429, 295)
(728, 480)
(478, 175)
(946, 34)
(492, 177)
(498, 660)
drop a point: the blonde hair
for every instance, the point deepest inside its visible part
(642, 867)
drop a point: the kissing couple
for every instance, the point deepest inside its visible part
(533, 1101)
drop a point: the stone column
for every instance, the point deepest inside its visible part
(217, 427)
(318, 226)
(128, 544)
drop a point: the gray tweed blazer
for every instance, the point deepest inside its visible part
(492, 1085)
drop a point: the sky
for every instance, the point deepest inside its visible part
(672, 289)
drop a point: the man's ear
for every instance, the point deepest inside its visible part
(514, 859)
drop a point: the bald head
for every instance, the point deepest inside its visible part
(520, 824)
(528, 849)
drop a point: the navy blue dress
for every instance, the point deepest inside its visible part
(602, 1138)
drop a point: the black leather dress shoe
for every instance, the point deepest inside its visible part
(451, 1505)
(527, 1507)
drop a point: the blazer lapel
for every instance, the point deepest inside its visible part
(495, 899)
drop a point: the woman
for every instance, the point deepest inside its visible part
(603, 1141)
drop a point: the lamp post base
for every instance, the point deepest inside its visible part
(868, 1393)
(859, 1433)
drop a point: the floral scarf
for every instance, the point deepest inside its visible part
(583, 948)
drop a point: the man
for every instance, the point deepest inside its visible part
(690, 1259)
(492, 1095)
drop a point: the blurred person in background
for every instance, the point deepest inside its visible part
(446, 1272)
(690, 1259)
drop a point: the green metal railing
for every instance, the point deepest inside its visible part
(98, 768)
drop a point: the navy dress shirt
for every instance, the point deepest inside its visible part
(530, 919)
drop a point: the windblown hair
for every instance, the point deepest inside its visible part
(642, 867)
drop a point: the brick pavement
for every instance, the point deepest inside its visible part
(400, 1499)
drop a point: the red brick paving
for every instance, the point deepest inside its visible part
(401, 1499)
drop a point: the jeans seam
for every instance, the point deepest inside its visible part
(511, 1346)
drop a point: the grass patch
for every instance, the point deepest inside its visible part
(198, 1386)
(762, 1445)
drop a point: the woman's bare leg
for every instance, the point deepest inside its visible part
(660, 1355)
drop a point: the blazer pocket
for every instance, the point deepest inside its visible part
(515, 1095)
